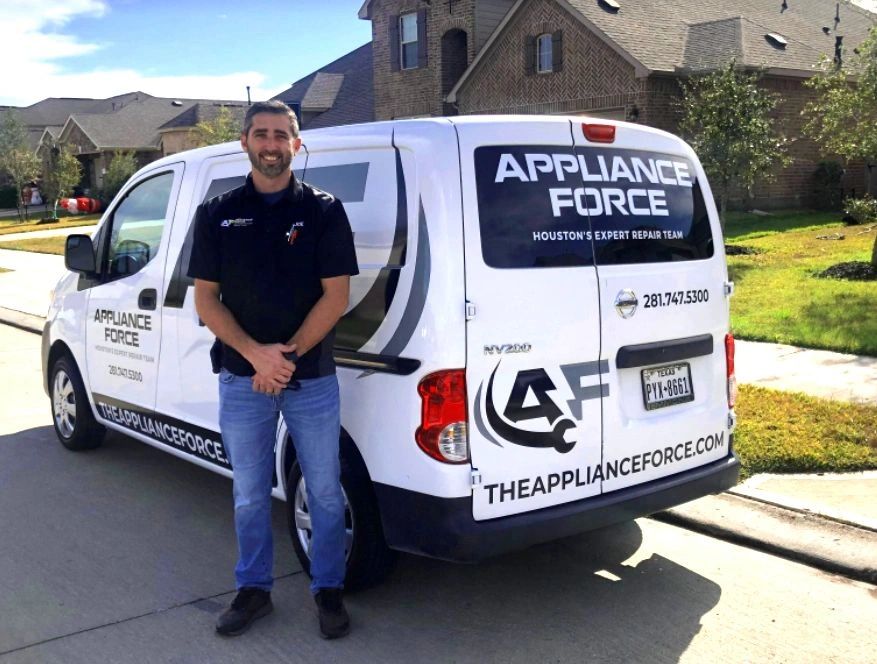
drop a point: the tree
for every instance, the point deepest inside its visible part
(61, 173)
(843, 116)
(221, 129)
(122, 166)
(726, 118)
(17, 160)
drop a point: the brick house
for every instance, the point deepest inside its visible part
(620, 59)
(150, 127)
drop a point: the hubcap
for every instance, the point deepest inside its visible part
(303, 520)
(64, 404)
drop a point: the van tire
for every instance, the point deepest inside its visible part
(369, 559)
(72, 417)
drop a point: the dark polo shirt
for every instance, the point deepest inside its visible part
(268, 260)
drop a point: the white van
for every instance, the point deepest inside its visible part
(537, 343)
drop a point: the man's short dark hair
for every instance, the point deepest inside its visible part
(274, 107)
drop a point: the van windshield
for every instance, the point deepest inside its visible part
(551, 206)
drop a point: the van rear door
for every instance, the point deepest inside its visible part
(533, 343)
(661, 268)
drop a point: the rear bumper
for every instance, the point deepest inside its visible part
(444, 527)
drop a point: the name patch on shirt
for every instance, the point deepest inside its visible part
(230, 223)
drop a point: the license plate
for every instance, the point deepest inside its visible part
(667, 385)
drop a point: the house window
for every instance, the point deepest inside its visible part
(544, 54)
(408, 40)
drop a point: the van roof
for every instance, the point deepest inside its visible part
(370, 128)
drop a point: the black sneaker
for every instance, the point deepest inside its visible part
(250, 604)
(334, 621)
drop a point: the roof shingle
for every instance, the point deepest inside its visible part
(672, 35)
(354, 100)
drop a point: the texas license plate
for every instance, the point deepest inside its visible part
(667, 385)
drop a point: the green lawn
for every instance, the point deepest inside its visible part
(7, 227)
(784, 432)
(148, 232)
(778, 296)
(40, 245)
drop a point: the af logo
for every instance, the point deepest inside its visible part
(555, 423)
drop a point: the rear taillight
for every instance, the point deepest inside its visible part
(442, 433)
(599, 133)
(732, 378)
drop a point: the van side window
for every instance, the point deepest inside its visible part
(137, 225)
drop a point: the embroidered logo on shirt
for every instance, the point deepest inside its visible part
(294, 231)
(227, 223)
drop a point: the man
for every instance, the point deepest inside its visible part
(272, 261)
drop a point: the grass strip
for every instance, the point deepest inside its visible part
(787, 432)
(40, 245)
(64, 222)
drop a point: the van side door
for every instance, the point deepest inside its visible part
(123, 326)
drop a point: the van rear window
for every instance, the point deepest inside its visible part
(550, 206)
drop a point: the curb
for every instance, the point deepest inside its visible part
(783, 502)
(21, 320)
(812, 540)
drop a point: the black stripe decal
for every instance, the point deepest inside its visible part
(479, 421)
(417, 296)
(359, 324)
(195, 441)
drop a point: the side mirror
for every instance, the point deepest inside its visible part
(79, 255)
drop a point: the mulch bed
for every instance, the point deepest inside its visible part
(852, 271)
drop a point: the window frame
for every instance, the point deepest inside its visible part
(544, 38)
(403, 43)
(104, 248)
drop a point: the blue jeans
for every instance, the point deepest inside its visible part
(248, 421)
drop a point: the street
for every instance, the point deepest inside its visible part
(125, 554)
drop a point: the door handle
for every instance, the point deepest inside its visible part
(147, 299)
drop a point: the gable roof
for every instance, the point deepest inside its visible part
(322, 92)
(136, 125)
(54, 111)
(659, 33)
(205, 112)
(696, 35)
(342, 92)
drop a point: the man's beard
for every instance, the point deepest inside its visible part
(270, 170)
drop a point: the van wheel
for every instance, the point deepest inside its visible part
(74, 422)
(369, 560)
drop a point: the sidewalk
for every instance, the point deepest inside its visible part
(828, 521)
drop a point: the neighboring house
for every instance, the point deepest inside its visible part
(620, 59)
(179, 133)
(54, 111)
(151, 127)
(340, 93)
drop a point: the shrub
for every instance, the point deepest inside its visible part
(826, 185)
(8, 199)
(861, 210)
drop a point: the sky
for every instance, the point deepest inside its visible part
(209, 49)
